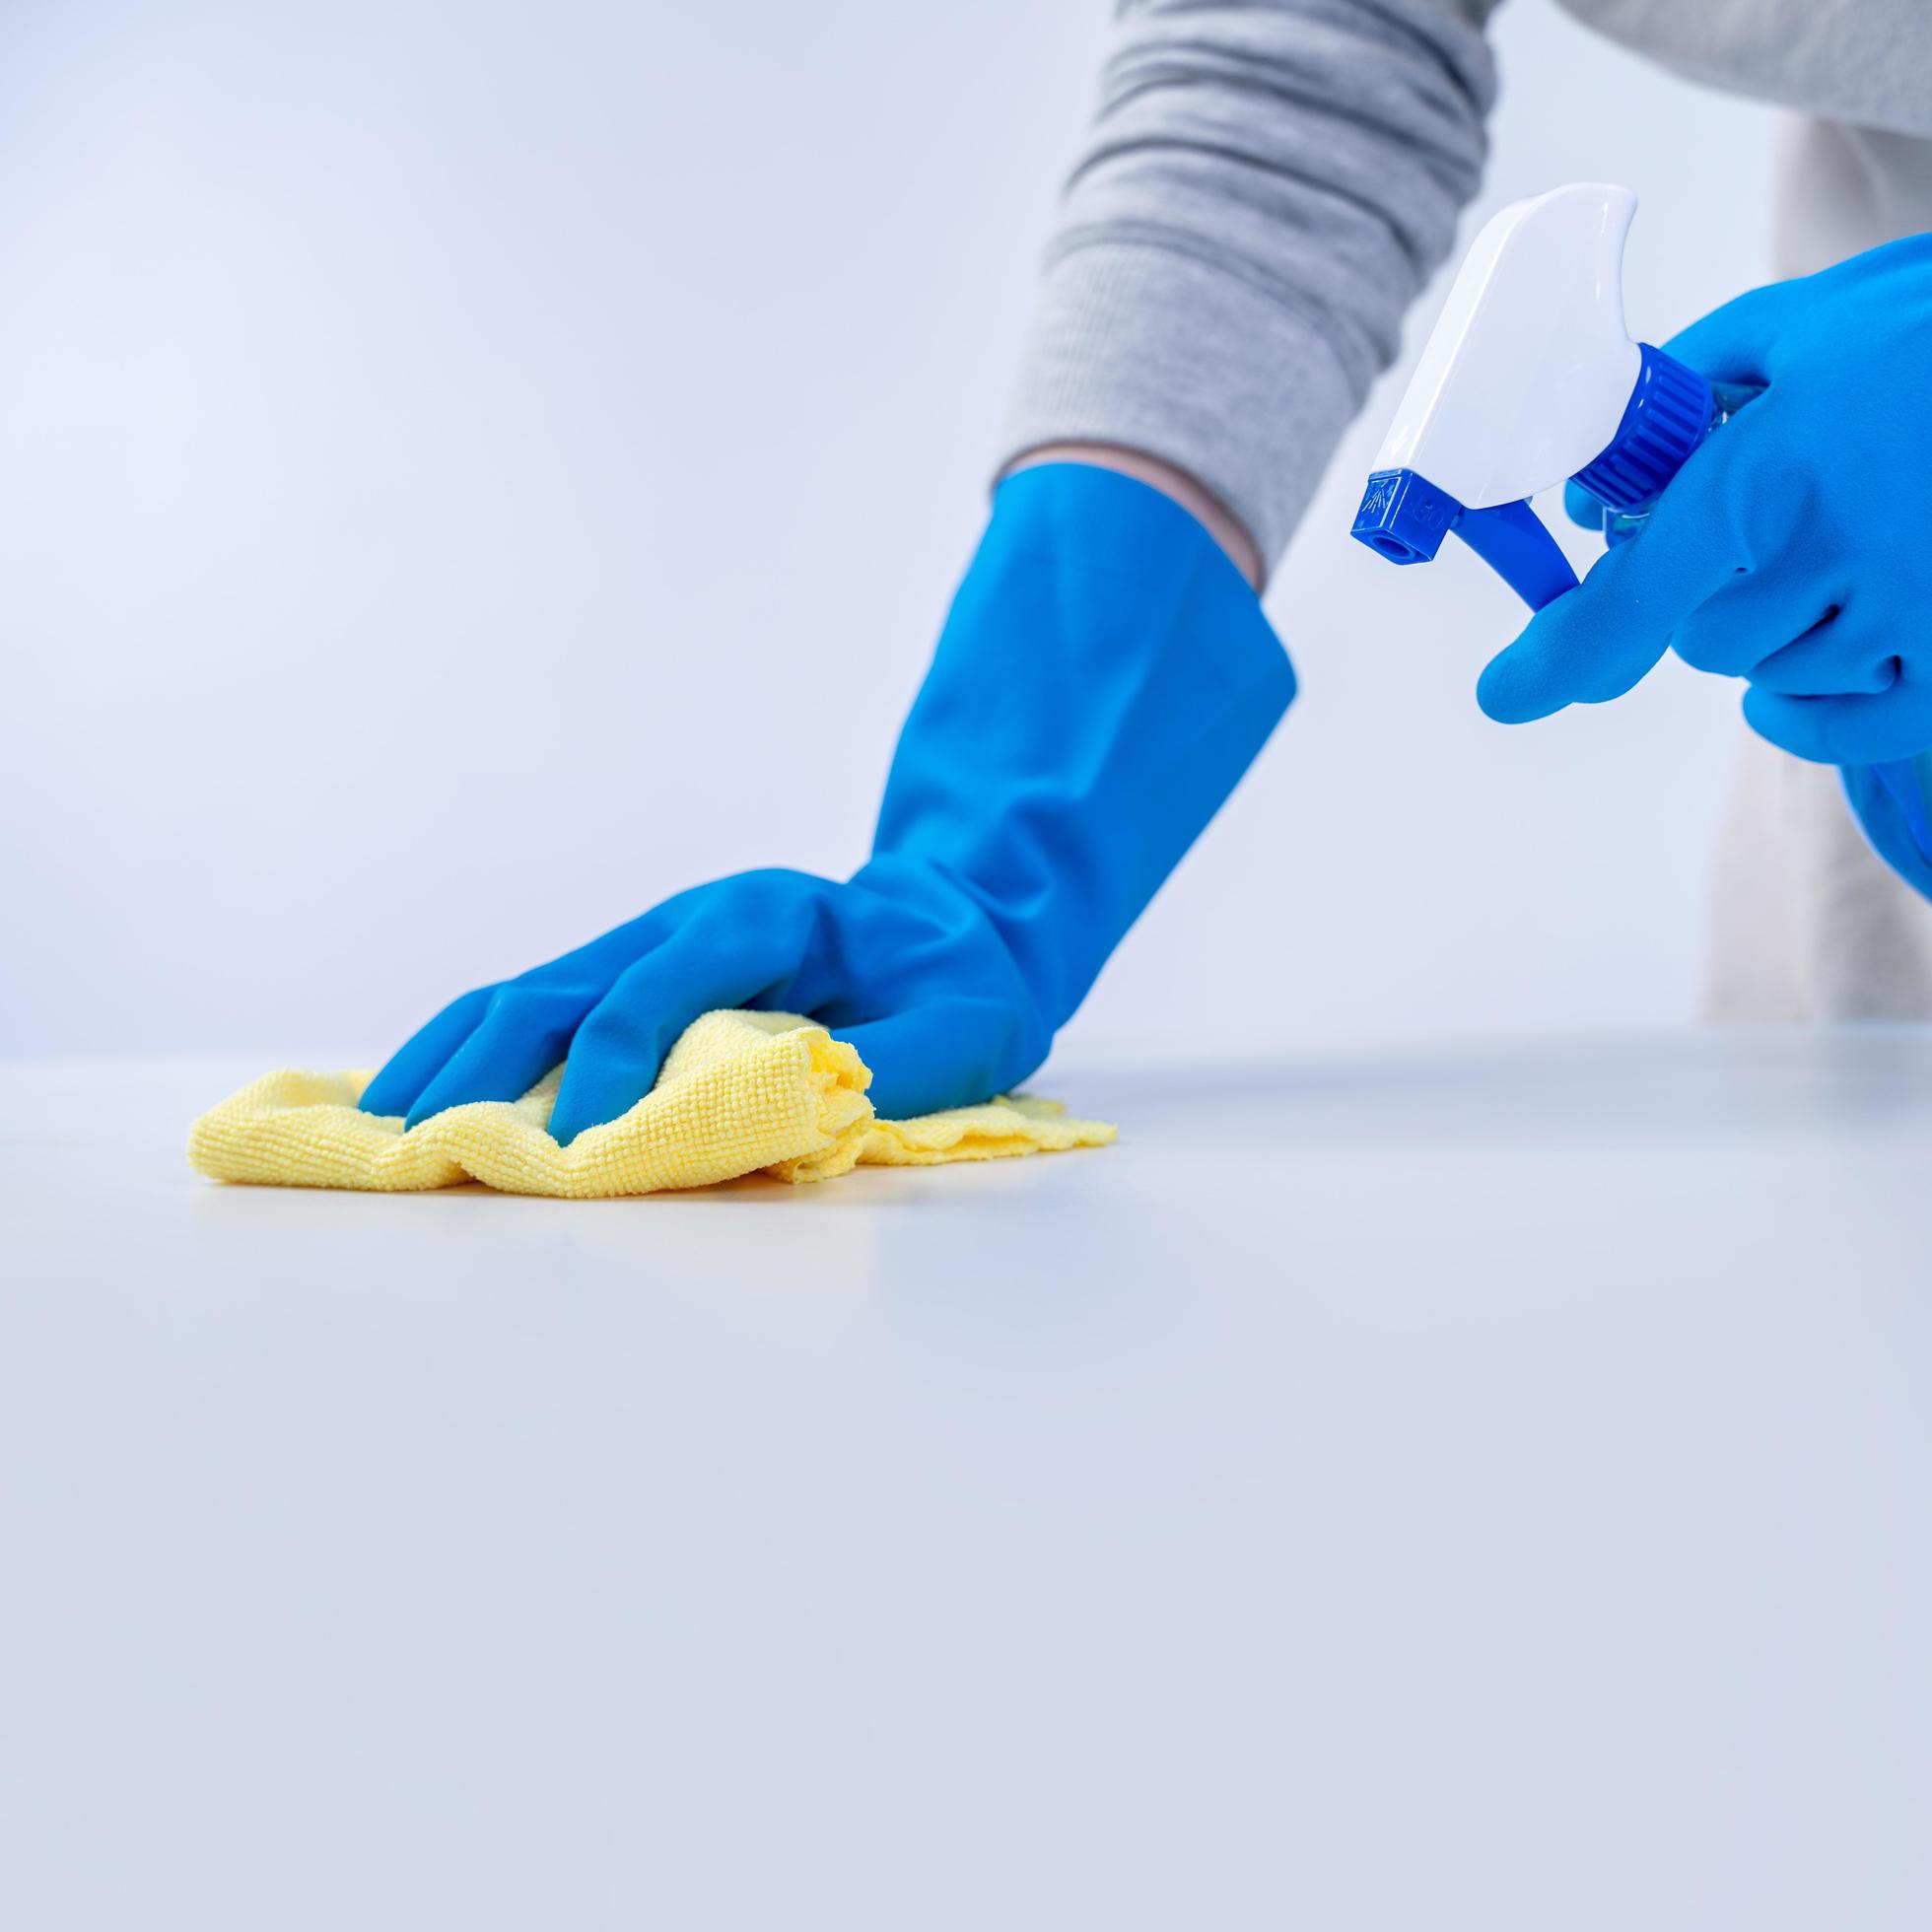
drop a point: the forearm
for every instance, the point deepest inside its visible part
(1265, 190)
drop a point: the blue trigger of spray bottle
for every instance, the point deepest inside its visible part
(1531, 378)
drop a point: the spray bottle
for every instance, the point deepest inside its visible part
(1531, 378)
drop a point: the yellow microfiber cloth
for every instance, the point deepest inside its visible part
(740, 1093)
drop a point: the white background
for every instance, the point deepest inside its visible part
(468, 471)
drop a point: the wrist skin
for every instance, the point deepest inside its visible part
(1205, 509)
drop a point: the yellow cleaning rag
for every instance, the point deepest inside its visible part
(740, 1093)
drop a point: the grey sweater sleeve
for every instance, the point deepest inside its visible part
(1265, 187)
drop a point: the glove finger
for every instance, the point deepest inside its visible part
(1594, 643)
(1734, 343)
(522, 1027)
(1750, 620)
(1864, 728)
(525, 1029)
(421, 1056)
(723, 958)
(1591, 644)
(1840, 656)
(946, 1053)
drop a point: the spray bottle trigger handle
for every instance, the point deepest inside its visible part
(1512, 540)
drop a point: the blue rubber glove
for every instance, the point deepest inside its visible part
(1791, 549)
(1894, 804)
(1104, 678)
(1891, 801)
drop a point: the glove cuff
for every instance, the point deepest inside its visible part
(1104, 678)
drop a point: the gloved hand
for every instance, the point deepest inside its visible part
(1791, 549)
(1104, 678)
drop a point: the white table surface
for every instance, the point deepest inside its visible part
(1490, 1489)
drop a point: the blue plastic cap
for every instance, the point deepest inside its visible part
(1667, 417)
(1405, 517)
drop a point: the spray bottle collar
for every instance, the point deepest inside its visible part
(1665, 418)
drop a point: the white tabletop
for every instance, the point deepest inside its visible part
(1490, 1489)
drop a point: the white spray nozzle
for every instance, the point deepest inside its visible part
(1530, 377)
(1529, 368)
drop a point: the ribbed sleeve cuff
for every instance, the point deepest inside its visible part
(1147, 348)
